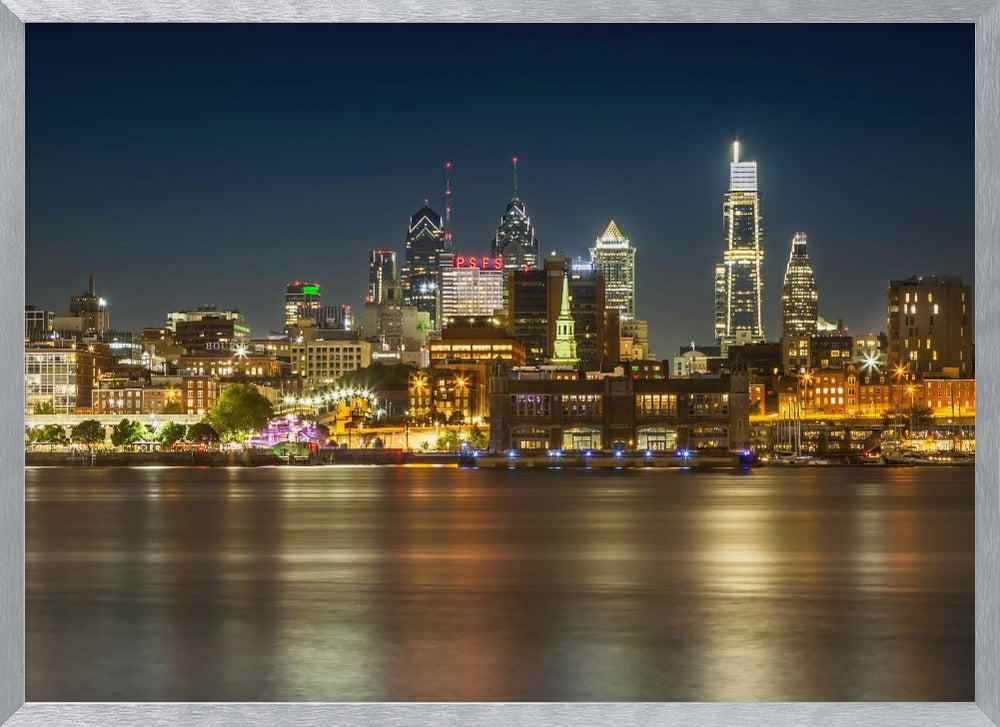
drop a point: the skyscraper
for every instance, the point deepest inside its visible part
(381, 275)
(471, 287)
(302, 301)
(799, 298)
(425, 244)
(515, 240)
(739, 321)
(614, 256)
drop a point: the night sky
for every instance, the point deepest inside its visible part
(189, 165)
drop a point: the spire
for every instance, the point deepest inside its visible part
(447, 203)
(736, 151)
(564, 345)
(514, 163)
(612, 233)
(564, 308)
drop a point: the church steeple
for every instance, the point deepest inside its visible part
(564, 346)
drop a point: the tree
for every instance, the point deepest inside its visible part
(239, 408)
(44, 407)
(477, 438)
(89, 431)
(379, 377)
(456, 418)
(50, 434)
(202, 432)
(448, 442)
(171, 432)
(174, 407)
(127, 432)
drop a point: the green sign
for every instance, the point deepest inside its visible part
(310, 290)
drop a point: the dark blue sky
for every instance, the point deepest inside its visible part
(186, 165)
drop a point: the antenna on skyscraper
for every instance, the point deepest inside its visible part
(514, 162)
(447, 203)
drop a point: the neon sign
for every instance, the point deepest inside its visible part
(484, 262)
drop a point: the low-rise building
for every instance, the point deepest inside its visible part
(62, 377)
(704, 414)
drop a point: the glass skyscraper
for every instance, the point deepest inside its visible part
(738, 283)
(799, 297)
(613, 255)
(515, 240)
(381, 275)
(425, 244)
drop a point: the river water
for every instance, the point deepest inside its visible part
(443, 584)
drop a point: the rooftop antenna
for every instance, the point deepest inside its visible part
(514, 162)
(447, 203)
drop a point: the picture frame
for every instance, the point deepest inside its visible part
(14, 14)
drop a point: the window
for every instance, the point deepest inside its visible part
(656, 404)
(581, 405)
(531, 405)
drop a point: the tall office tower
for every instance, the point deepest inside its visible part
(742, 257)
(721, 300)
(515, 240)
(92, 309)
(471, 287)
(302, 301)
(799, 307)
(614, 256)
(799, 297)
(587, 291)
(381, 275)
(931, 326)
(564, 345)
(425, 244)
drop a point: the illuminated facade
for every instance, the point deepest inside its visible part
(739, 320)
(302, 301)
(515, 240)
(930, 325)
(564, 345)
(476, 344)
(381, 275)
(799, 297)
(425, 244)
(613, 255)
(63, 378)
(471, 286)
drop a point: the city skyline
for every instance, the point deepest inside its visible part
(861, 235)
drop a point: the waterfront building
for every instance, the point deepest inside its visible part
(91, 309)
(930, 326)
(38, 324)
(739, 320)
(475, 344)
(455, 393)
(614, 256)
(61, 377)
(382, 275)
(708, 414)
(302, 300)
(425, 244)
(121, 394)
(471, 286)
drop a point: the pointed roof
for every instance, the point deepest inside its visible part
(613, 234)
(564, 309)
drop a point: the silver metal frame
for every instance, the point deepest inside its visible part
(984, 13)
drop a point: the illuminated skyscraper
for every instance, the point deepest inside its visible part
(613, 255)
(799, 298)
(741, 281)
(381, 275)
(425, 244)
(302, 301)
(515, 240)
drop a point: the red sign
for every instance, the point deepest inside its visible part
(484, 262)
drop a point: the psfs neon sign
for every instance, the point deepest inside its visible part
(484, 262)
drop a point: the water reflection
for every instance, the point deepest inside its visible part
(407, 583)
